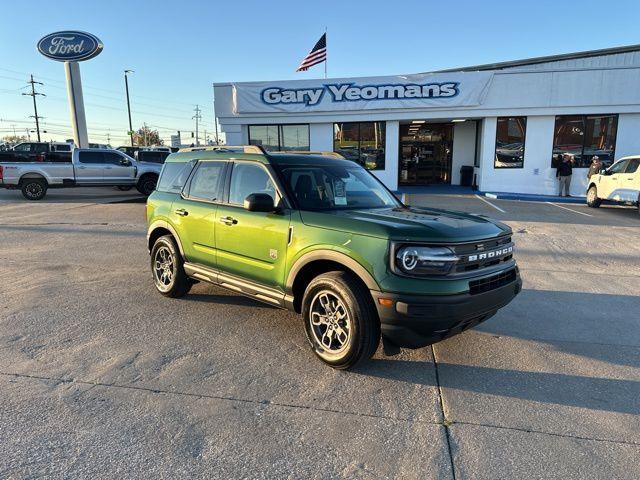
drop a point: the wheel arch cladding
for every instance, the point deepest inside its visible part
(160, 229)
(316, 263)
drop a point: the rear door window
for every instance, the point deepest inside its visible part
(206, 181)
(91, 157)
(173, 176)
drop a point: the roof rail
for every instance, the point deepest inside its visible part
(307, 152)
(228, 149)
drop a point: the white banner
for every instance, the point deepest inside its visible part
(456, 89)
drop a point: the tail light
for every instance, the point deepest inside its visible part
(40, 157)
(1, 173)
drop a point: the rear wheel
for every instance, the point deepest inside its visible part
(147, 184)
(167, 268)
(33, 188)
(592, 197)
(341, 322)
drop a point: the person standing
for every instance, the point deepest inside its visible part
(595, 167)
(563, 174)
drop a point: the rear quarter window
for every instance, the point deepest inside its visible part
(173, 177)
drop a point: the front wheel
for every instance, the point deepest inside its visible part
(167, 268)
(147, 184)
(592, 197)
(340, 320)
(34, 188)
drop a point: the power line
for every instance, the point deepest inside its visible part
(34, 94)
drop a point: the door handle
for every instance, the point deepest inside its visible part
(108, 168)
(182, 212)
(81, 167)
(228, 220)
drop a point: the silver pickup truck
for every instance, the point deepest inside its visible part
(88, 167)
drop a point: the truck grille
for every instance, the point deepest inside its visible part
(493, 282)
(483, 254)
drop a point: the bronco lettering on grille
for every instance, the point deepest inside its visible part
(492, 254)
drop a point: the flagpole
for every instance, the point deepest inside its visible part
(326, 52)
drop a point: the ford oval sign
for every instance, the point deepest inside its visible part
(70, 46)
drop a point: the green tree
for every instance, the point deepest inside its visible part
(145, 137)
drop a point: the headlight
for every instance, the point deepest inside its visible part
(418, 260)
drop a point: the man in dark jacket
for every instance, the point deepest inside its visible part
(563, 174)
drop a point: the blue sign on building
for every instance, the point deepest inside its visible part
(70, 46)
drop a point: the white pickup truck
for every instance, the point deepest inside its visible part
(88, 167)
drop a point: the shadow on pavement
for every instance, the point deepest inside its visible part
(595, 393)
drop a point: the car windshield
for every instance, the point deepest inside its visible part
(328, 187)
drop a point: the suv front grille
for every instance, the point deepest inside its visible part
(483, 254)
(493, 282)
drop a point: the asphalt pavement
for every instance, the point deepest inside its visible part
(103, 377)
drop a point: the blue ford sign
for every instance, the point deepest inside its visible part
(70, 46)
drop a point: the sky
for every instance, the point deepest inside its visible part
(178, 49)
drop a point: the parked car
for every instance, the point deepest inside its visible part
(620, 183)
(88, 167)
(323, 237)
(38, 152)
(102, 146)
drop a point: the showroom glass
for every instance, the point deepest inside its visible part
(362, 142)
(248, 178)
(274, 138)
(585, 136)
(510, 138)
(319, 187)
(205, 183)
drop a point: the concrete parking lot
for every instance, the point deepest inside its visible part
(100, 376)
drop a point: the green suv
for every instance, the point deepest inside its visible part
(321, 236)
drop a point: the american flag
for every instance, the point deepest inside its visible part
(318, 54)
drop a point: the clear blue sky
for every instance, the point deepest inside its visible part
(178, 49)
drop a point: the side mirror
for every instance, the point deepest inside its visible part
(603, 171)
(259, 202)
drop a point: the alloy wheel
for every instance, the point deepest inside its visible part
(330, 322)
(163, 267)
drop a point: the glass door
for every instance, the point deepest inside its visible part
(425, 153)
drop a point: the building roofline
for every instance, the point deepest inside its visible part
(546, 59)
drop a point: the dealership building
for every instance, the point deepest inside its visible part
(502, 125)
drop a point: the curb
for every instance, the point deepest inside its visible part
(531, 198)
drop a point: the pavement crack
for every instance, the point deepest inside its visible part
(552, 434)
(446, 423)
(263, 402)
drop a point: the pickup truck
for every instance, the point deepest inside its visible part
(87, 167)
(38, 152)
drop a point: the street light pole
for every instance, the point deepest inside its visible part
(126, 86)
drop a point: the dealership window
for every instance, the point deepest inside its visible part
(510, 136)
(585, 136)
(276, 138)
(362, 142)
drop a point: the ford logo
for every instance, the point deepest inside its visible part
(70, 46)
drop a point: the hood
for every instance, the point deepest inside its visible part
(413, 223)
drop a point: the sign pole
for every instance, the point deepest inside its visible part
(76, 104)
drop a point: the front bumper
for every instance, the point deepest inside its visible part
(415, 321)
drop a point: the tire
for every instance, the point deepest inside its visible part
(592, 197)
(124, 188)
(167, 268)
(147, 184)
(33, 188)
(340, 320)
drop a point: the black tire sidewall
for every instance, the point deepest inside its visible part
(343, 285)
(26, 183)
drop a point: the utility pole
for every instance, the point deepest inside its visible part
(197, 116)
(109, 137)
(205, 137)
(126, 86)
(35, 105)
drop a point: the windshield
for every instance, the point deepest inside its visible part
(327, 187)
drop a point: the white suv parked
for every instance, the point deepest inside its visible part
(620, 183)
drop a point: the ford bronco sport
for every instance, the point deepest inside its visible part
(323, 237)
